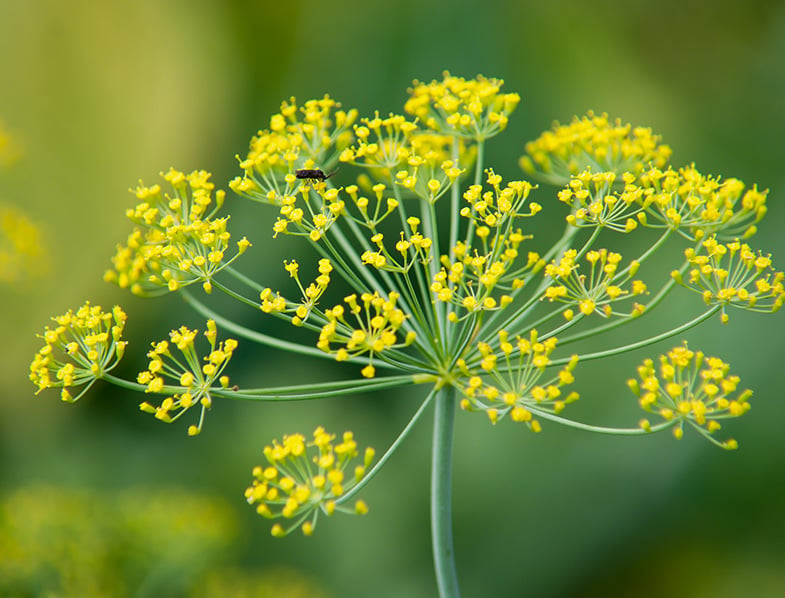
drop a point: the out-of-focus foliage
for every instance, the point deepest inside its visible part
(134, 542)
(60, 541)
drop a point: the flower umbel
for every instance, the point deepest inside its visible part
(697, 205)
(300, 137)
(734, 275)
(593, 142)
(597, 291)
(370, 326)
(690, 389)
(194, 379)
(434, 255)
(595, 202)
(472, 108)
(176, 241)
(512, 380)
(81, 348)
(381, 143)
(304, 479)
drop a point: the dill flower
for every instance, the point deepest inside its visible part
(509, 380)
(682, 201)
(381, 143)
(431, 250)
(732, 274)
(472, 108)
(594, 142)
(431, 170)
(596, 292)
(306, 478)
(193, 378)
(697, 205)
(298, 137)
(595, 202)
(421, 161)
(690, 389)
(81, 348)
(377, 322)
(176, 240)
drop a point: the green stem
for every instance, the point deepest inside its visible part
(302, 392)
(441, 495)
(603, 429)
(645, 342)
(235, 295)
(318, 390)
(455, 202)
(249, 282)
(123, 383)
(390, 451)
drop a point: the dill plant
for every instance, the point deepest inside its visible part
(445, 295)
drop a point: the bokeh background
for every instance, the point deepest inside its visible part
(101, 499)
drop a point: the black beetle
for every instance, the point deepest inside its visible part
(313, 174)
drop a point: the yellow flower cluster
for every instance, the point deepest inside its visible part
(447, 296)
(309, 136)
(309, 217)
(497, 208)
(420, 161)
(732, 274)
(700, 204)
(274, 303)
(377, 323)
(381, 143)
(470, 280)
(472, 108)
(690, 389)
(595, 203)
(312, 292)
(433, 149)
(176, 241)
(371, 218)
(593, 142)
(193, 380)
(306, 478)
(80, 349)
(683, 200)
(412, 246)
(427, 179)
(600, 289)
(511, 381)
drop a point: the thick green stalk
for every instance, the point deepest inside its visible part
(441, 495)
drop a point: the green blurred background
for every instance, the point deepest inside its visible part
(98, 95)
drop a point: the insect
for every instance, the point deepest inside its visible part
(313, 175)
